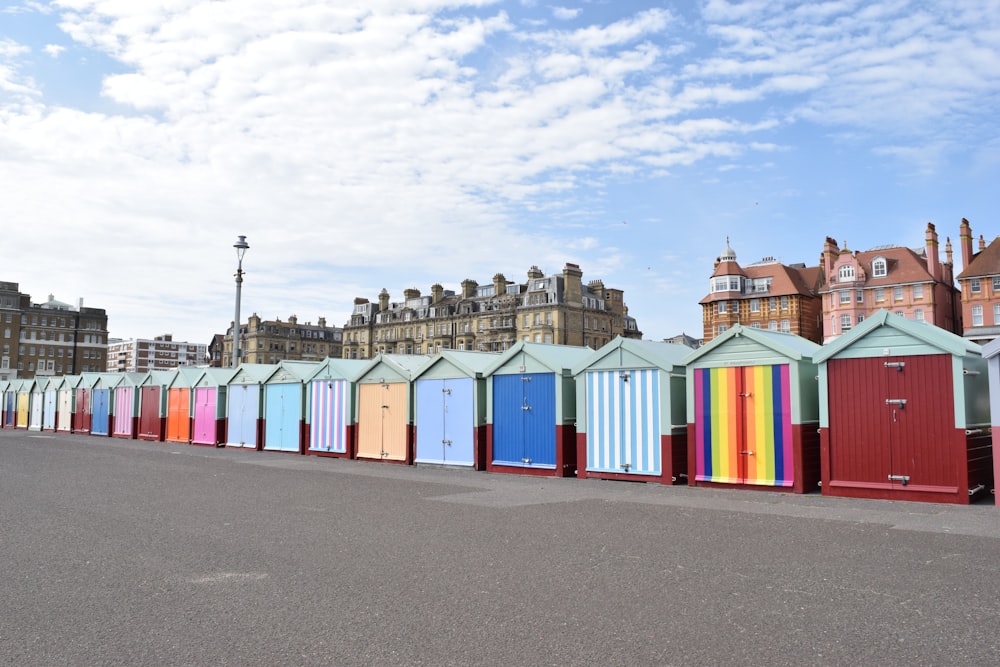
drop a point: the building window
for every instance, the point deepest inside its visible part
(772, 325)
(755, 325)
(918, 315)
(996, 314)
(720, 329)
(784, 303)
(861, 318)
(722, 308)
(996, 288)
(897, 293)
(845, 296)
(847, 272)
(977, 316)
(975, 286)
(879, 267)
(918, 291)
(879, 294)
(754, 305)
(860, 296)
(845, 323)
(786, 326)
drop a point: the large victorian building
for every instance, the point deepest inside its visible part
(765, 295)
(555, 308)
(979, 283)
(271, 341)
(912, 283)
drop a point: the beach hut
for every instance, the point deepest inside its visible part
(531, 409)
(385, 407)
(244, 413)
(66, 402)
(753, 411)
(905, 413)
(125, 421)
(450, 395)
(50, 401)
(102, 403)
(208, 422)
(330, 420)
(82, 402)
(631, 399)
(179, 398)
(285, 406)
(152, 423)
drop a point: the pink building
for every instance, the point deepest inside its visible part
(904, 281)
(979, 283)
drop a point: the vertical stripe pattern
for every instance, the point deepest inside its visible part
(743, 429)
(328, 416)
(623, 421)
(123, 411)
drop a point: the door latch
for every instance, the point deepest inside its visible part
(902, 479)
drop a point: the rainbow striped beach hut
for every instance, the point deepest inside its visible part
(753, 412)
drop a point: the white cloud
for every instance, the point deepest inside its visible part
(54, 50)
(565, 13)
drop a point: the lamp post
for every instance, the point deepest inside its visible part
(241, 246)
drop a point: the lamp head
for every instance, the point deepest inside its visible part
(241, 246)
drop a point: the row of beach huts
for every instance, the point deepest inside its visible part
(893, 409)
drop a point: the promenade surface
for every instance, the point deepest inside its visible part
(121, 552)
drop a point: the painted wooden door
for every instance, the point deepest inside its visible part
(743, 429)
(205, 410)
(179, 415)
(101, 408)
(282, 416)
(81, 422)
(124, 411)
(49, 409)
(891, 422)
(244, 407)
(10, 409)
(328, 416)
(445, 421)
(36, 405)
(524, 420)
(64, 411)
(382, 421)
(23, 408)
(623, 421)
(149, 412)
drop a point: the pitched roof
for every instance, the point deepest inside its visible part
(785, 281)
(937, 337)
(904, 265)
(984, 263)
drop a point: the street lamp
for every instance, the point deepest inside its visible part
(241, 246)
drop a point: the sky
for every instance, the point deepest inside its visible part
(361, 145)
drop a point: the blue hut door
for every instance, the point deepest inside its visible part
(328, 416)
(244, 403)
(99, 410)
(282, 408)
(623, 421)
(445, 421)
(524, 420)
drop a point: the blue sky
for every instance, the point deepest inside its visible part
(401, 143)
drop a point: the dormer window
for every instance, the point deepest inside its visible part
(847, 272)
(879, 267)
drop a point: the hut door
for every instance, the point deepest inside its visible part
(743, 430)
(281, 419)
(445, 421)
(623, 421)
(524, 418)
(204, 416)
(244, 401)
(328, 416)
(918, 413)
(101, 402)
(149, 411)
(382, 421)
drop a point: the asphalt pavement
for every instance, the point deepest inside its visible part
(122, 552)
